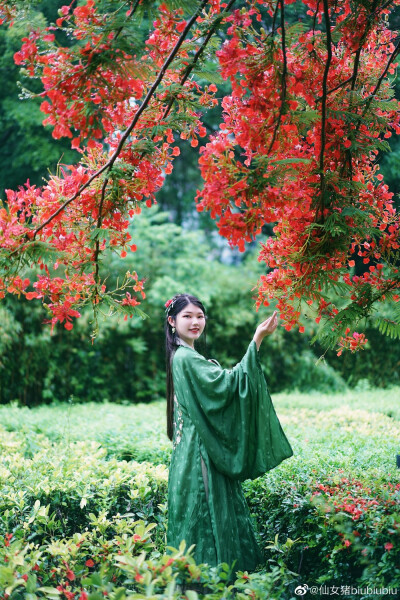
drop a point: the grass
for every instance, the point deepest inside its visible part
(125, 431)
(384, 401)
(355, 431)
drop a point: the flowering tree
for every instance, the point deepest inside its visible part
(310, 107)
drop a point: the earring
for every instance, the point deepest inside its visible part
(173, 330)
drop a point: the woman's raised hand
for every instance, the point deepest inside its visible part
(266, 328)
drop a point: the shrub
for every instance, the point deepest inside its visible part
(329, 514)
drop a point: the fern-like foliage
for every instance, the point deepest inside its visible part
(388, 327)
(389, 322)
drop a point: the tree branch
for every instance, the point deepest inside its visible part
(362, 40)
(274, 18)
(337, 87)
(375, 10)
(349, 156)
(196, 57)
(382, 77)
(283, 78)
(130, 15)
(99, 222)
(315, 16)
(323, 106)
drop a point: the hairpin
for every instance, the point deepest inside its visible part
(170, 303)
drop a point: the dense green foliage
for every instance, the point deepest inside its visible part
(76, 515)
(126, 360)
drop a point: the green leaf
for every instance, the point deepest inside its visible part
(287, 161)
(188, 6)
(210, 76)
(388, 327)
(294, 31)
(50, 592)
(350, 211)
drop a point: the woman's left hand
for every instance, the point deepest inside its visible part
(266, 328)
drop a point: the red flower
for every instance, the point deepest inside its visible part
(89, 563)
(388, 546)
(129, 301)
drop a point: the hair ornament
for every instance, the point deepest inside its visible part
(170, 303)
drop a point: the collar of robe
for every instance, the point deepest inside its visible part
(182, 343)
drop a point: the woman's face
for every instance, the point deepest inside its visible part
(189, 323)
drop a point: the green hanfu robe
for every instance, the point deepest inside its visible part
(225, 431)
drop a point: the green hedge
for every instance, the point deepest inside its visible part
(75, 524)
(70, 508)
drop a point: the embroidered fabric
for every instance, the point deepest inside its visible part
(178, 423)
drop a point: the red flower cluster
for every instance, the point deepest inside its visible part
(352, 342)
(297, 148)
(92, 92)
(308, 113)
(352, 497)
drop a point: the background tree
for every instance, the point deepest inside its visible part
(27, 150)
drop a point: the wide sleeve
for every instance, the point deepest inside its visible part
(232, 412)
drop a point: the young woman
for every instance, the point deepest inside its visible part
(224, 429)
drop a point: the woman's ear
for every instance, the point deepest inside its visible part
(171, 321)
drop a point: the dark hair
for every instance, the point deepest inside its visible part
(177, 304)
